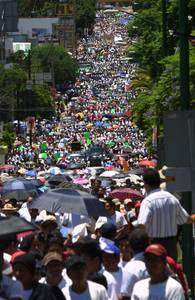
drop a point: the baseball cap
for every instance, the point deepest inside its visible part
(157, 250)
(52, 256)
(112, 249)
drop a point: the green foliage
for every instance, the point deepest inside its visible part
(8, 135)
(52, 58)
(157, 83)
(85, 13)
(13, 80)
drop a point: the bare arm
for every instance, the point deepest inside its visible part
(191, 219)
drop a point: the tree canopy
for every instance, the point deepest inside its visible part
(157, 82)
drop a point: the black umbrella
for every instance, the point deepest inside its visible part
(139, 171)
(59, 178)
(14, 225)
(69, 201)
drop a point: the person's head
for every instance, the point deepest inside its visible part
(111, 258)
(110, 206)
(125, 248)
(151, 179)
(138, 240)
(90, 250)
(108, 231)
(155, 259)
(128, 204)
(128, 182)
(54, 264)
(24, 268)
(39, 243)
(76, 268)
(49, 225)
(55, 244)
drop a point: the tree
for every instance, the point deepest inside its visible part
(85, 12)
(54, 59)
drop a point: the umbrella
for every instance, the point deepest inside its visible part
(109, 174)
(81, 180)
(125, 193)
(136, 171)
(13, 225)
(19, 189)
(31, 173)
(59, 178)
(54, 171)
(7, 168)
(147, 163)
(69, 201)
(43, 155)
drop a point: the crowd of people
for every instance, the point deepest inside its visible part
(92, 145)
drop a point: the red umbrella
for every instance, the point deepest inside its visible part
(125, 193)
(147, 163)
(7, 168)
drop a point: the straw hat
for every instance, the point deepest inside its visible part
(9, 207)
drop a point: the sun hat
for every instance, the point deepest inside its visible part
(52, 256)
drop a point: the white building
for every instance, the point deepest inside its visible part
(37, 27)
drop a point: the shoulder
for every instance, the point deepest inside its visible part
(96, 288)
(142, 283)
(174, 284)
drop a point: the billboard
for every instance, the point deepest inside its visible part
(21, 46)
(40, 32)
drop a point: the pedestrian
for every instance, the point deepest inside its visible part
(161, 213)
(135, 269)
(24, 267)
(82, 288)
(160, 285)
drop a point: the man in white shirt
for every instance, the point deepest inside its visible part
(161, 213)
(114, 217)
(112, 271)
(81, 288)
(160, 285)
(135, 270)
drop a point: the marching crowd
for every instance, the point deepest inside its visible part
(129, 253)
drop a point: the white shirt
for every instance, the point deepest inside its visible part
(114, 281)
(161, 213)
(94, 291)
(134, 271)
(167, 290)
(117, 219)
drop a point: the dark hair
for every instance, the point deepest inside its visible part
(139, 240)
(108, 231)
(90, 248)
(98, 278)
(151, 177)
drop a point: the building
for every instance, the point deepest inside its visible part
(39, 28)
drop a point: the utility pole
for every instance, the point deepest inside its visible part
(187, 232)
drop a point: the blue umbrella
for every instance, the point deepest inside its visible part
(19, 189)
(98, 124)
(31, 173)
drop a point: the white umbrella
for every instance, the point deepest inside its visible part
(109, 174)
